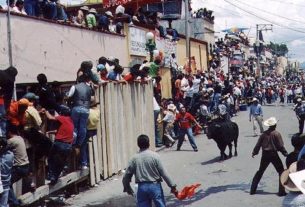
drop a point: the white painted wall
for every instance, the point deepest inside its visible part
(54, 49)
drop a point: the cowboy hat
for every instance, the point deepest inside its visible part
(270, 122)
(171, 107)
(92, 10)
(285, 179)
(109, 13)
(84, 8)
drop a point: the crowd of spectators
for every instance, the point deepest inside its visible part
(101, 19)
(204, 13)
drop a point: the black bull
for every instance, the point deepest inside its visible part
(224, 133)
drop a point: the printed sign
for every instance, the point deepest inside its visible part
(167, 47)
(137, 42)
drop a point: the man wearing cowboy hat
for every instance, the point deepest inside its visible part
(256, 115)
(270, 141)
(91, 19)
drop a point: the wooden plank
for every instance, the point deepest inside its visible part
(45, 190)
(96, 160)
(108, 129)
(103, 133)
(91, 162)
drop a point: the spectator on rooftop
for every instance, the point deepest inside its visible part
(141, 16)
(104, 20)
(19, 7)
(81, 16)
(31, 7)
(120, 13)
(91, 19)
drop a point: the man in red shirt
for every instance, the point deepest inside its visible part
(185, 120)
(62, 146)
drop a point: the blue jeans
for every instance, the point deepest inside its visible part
(31, 7)
(158, 140)
(84, 148)
(148, 192)
(18, 172)
(80, 116)
(4, 198)
(2, 121)
(189, 132)
(57, 159)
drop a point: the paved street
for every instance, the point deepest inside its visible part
(222, 183)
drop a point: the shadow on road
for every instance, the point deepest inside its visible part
(126, 201)
(219, 189)
(214, 160)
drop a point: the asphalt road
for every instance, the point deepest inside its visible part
(224, 183)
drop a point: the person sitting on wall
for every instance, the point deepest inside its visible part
(104, 21)
(133, 73)
(116, 74)
(91, 19)
(62, 146)
(81, 16)
(19, 7)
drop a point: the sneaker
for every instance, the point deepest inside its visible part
(178, 149)
(196, 150)
(84, 167)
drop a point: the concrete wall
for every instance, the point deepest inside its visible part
(54, 49)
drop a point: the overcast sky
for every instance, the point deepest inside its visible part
(286, 13)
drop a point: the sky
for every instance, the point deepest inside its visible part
(287, 17)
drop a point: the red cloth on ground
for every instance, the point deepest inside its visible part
(187, 192)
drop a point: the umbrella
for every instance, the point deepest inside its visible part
(234, 30)
(187, 192)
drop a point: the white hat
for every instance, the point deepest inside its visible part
(120, 10)
(92, 10)
(85, 8)
(270, 122)
(285, 179)
(109, 13)
(171, 107)
(254, 99)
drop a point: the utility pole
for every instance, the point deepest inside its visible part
(187, 35)
(259, 28)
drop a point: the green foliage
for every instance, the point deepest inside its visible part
(278, 49)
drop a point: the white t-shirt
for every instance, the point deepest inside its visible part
(196, 85)
(156, 105)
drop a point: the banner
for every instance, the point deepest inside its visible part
(137, 42)
(167, 47)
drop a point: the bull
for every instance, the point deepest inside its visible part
(224, 133)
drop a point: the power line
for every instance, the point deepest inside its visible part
(262, 18)
(270, 13)
(288, 3)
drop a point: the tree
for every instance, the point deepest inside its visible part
(278, 49)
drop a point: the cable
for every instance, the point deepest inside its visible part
(262, 18)
(288, 3)
(270, 13)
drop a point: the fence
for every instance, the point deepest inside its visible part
(126, 112)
